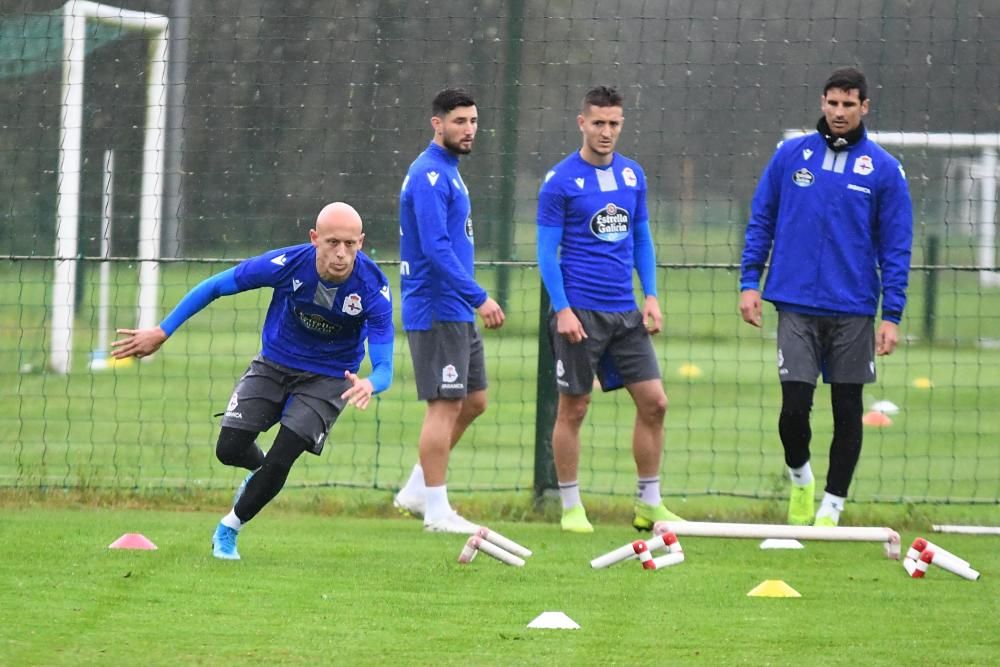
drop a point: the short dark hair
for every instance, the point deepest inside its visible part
(602, 96)
(450, 98)
(848, 78)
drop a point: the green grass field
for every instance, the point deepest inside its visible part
(353, 591)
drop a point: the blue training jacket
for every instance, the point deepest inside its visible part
(436, 244)
(836, 220)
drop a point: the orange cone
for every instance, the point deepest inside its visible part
(876, 419)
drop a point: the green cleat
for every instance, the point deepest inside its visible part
(574, 520)
(826, 522)
(801, 504)
(647, 515)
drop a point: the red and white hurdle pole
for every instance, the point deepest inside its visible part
(668, 560)
(918, 568)
(623, 552)
(943, 558)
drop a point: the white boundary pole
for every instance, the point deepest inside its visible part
(99, 360)
(966, 530)
(763, 531)
(75, 16)
(68, 207)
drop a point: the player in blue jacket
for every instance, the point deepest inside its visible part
(328, 299)
(833, 211)
(593, 231)
(440, 299)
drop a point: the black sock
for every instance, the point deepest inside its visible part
(793, 424)
(845, 450)
(267, 482)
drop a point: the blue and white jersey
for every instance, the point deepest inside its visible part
(313, 325)
(841, 227)
(436, 243)
(598, 209)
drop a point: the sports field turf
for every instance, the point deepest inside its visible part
(334, 590)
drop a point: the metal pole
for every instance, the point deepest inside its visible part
(173, 188)
(546, 402)
(508, 146)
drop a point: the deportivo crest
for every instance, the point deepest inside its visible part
(560, 369)
(610, 223)
(468, 228)
(352, 304)
(863, 165)
(449, 374)
(629, 177)
(803, 178)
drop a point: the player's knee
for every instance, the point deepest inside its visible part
(475, 404)
(232, 445)
(796, 399)
(653, 409)
(573, 409)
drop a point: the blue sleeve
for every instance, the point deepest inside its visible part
(895, 240)
(645, 258)
(381, 358)
(430, 205)
(549, 239)
(207, 291)
(760, 228)
(551, 217)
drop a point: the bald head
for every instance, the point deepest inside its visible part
(339, 214)
(337, 238)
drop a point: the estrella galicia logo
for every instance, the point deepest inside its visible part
(803, 178)
(317, 323)
(610, 223)
(468, 228)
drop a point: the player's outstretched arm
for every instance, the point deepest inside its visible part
(138, 342)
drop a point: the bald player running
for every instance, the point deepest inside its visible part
(329, 297)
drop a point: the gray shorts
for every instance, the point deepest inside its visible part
(448, 360)
(307, 403)
(617, 349)
(842, 348)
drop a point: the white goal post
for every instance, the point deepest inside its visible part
(76, 13)
(982, 172)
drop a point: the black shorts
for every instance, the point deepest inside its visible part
(307, 403)
(448, 360)
(842, 348)
(617, 348)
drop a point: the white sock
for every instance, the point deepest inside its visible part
(232, 521)
(647, 490)
(831, 506)
(802, 475)
(437, 503)
(415, 484)
(570, 494)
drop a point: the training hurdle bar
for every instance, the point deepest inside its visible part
(762, 531)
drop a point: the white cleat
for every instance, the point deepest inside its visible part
(452, 523)
(410, 505)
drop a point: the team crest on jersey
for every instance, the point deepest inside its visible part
(449, 374)
(863, 165)
(468, 228)
(610, 223)
(803, 178)
(629, 177)
(352, 304)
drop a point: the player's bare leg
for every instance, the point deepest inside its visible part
(647, 448)
(566, 452)
(440, 423)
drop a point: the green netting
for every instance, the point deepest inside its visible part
(32, 43)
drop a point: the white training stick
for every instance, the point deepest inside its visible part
(503, 542)
(500, 554)
(617, 555)
(668, 560)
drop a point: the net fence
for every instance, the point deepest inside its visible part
(274, 108)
